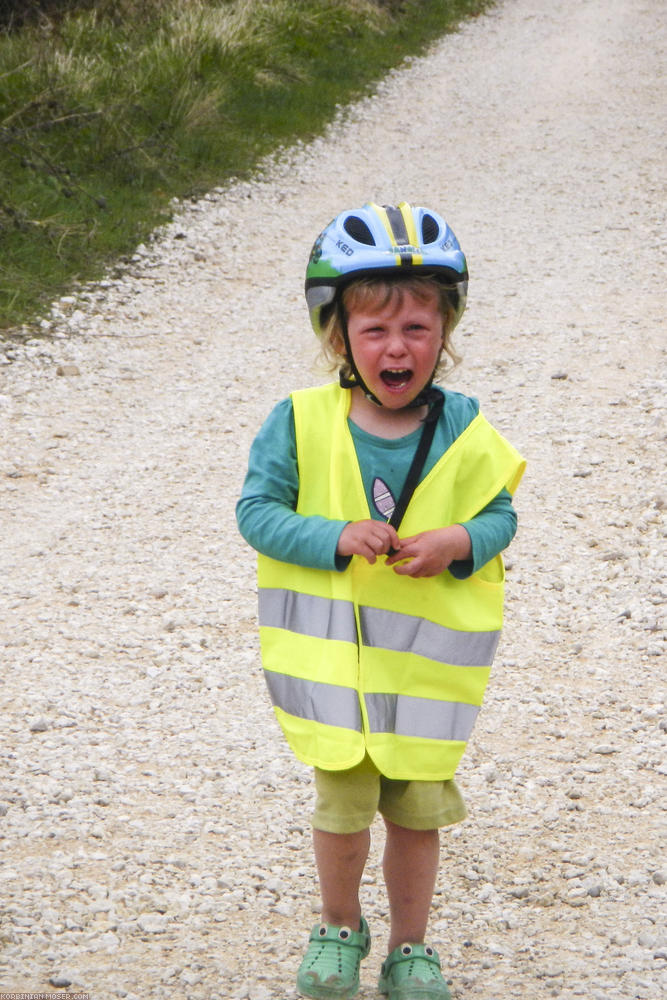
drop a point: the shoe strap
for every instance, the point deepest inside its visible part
(407, 953)
(343, 935)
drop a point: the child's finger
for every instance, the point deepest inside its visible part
(394, 540)
(395, 556)
(408, 568)
(409, 540)
(405, 548)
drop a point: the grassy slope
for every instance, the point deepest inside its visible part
(108, 114)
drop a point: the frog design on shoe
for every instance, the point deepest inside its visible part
(413, 972)
(330, 968)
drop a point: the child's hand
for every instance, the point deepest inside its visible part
(369, 539)
(431, 552)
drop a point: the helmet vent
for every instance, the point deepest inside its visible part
(430, 229)
(358, 230)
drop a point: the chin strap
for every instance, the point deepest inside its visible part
(355, 380)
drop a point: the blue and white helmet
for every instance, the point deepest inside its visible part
(379, 241)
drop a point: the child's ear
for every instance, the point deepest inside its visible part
(338, 345)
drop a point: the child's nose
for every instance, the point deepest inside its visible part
(396, 344)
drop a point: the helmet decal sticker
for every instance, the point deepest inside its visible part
(316, 252)
(397, 223)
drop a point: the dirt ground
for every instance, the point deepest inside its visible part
(154, 829)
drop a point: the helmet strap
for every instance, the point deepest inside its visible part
(356, 380)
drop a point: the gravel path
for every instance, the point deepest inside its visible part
(153, 827)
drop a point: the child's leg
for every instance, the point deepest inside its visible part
(330, 967)
(346, 804)
(341, 858)
(411, 859)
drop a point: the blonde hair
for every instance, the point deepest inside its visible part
(377, 294)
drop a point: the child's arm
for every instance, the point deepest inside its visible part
(266, 511)
(491, 531)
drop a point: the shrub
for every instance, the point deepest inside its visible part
(110, 109)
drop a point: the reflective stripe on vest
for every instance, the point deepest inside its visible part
(420, 717)
(402, 715)
(329, 704)
(307, 614)
(408, 634)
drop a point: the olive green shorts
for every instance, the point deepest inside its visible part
(347, 801)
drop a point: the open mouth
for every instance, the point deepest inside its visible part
(396, 378)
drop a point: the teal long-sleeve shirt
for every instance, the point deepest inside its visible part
(266, 510)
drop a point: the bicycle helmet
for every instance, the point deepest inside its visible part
(384, 241)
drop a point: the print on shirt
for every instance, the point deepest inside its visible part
(382, 498)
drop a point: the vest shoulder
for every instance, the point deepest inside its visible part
(322, 401)
(327, 391)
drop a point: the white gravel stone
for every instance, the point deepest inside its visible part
(154, 831)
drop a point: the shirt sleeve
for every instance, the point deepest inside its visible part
(266, 511)
(490, 532)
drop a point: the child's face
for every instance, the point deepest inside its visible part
(396, 348)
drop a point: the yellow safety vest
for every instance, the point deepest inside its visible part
(365, 660)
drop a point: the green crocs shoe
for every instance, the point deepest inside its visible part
(330, 968)
(412, 972)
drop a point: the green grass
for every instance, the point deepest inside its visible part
(109, 112)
